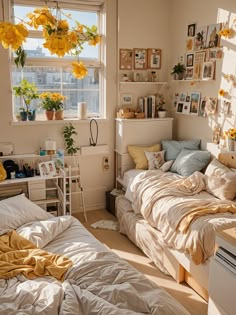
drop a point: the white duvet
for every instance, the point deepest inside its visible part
(99, 282)
(163, 203)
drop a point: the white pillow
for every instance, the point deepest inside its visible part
(166, 166)
(18, 210)
(155, 159)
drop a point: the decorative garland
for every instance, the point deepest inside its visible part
(59, 38)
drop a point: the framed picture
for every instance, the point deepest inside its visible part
(199, 59)
(154, 58)
(47, 168)
(208, 70)
(213, 37)
(211, 105)
(189, 44)
(214, 53)
(189, 73)
(126, 59)
(140, 58)
(194, 102)
(202, 108)
(126, 99)
(179, 108)
(189, 60)
(186, 108)
(182, 97)
(226, 106)
(191, 30)
(188, 98)
(200, 38)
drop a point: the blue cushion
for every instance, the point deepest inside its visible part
(173, 147)
(190, 161)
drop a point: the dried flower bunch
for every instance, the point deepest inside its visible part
(226, 31)
(59, 38)
(231, 133)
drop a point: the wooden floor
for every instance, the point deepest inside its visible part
(123, 247)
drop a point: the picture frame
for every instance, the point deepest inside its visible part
(213, 37)
(189, 44)
(191, 30)
(202, 108)
(189, 60)
(194, 102)
(126, 59)
(211, 105)
(126, 99)
(186, 108)
(140, 58)
(182, 97)
(200, 38)
(47, 168)
(189, 73)
(153, 58)
(226, 106)
(199, 59)
(214, 53)
(208, 70)
(179, 108)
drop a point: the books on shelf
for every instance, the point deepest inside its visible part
(147, 106)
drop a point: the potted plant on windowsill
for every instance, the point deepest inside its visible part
(28, 91)
(178, 71)
(52, 103)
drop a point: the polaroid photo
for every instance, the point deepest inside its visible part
(47, 168)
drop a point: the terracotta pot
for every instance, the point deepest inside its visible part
(59, 115)
(49, 114)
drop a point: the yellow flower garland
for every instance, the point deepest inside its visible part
(59, 39)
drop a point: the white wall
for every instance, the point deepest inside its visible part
(182, 13)
(28, 139)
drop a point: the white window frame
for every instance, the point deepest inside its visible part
(88, 5)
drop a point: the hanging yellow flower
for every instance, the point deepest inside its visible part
(41, 17)
(12, 36)
(94, 41)
(222, 92)
(58, 44)
(79, 70)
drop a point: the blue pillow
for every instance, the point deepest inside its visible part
(190, 161)
(173, 147)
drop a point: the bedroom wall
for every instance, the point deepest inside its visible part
(182, 13)
(29, 138)
(140, 25)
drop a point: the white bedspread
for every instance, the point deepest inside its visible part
(99, 282)
(164, 200)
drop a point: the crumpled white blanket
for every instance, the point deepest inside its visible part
(106, 224)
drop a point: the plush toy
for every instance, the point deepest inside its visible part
(228, 159)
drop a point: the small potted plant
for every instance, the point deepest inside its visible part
(160, 102)
(28, 91)
(178, 71)
(52, 103)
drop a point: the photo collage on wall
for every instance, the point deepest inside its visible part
(194, 104)
(202, 51)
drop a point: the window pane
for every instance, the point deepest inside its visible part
(34, 47)
(57, 79)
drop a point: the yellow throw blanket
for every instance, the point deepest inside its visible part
(18, 255)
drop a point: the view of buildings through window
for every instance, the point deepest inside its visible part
(53, 74)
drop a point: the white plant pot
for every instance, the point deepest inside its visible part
(162, 113)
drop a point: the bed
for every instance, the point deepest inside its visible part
(173, 216)
(96, 281)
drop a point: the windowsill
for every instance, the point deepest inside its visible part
(57, 122)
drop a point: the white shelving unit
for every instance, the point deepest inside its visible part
(72, 186)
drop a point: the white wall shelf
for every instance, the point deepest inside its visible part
(94, 150)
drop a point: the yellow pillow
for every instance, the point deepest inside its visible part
(138, 154)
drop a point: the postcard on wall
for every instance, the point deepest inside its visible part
(140, 58)
(211, 105)
(186, 108)
(182, 96)
(202, 107)
(179, 108)
(200, 38)
(208, 70)
(126, 58)
(189, 44)
(58, 159)
(213, 37)
(194, 103)
(154, 58)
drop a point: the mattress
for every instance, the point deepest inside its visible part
(99, 282)
(129, 176)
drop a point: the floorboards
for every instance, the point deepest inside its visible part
(123, 247)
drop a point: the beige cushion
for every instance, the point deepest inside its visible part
(138, 155)
(155, 159)
(221, 181)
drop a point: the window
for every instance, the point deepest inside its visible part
(53, 74)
